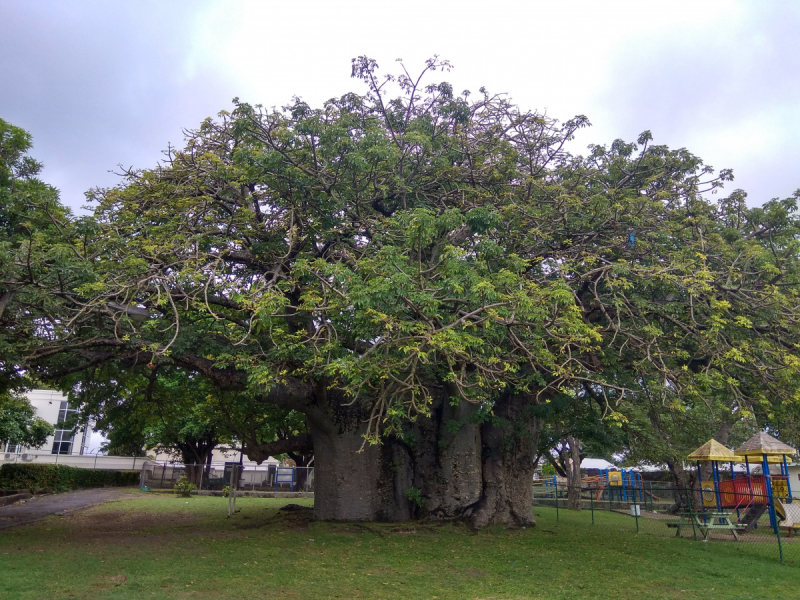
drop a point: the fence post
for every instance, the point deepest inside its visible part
(591, 504)
(556, 494)
(230, 493)
(778, 529)
(691, 510)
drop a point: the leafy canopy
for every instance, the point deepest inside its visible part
(410, 241)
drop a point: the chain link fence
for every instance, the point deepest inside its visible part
(757, 524)
(267, 478)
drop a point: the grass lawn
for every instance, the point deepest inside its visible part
(161, 546)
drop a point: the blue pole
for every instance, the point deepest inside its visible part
(641, 489)
(768, 490)
(788, 479)
(700, 487)
(625, 486)
(715, 471)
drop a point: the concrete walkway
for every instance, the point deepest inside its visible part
(39, 507)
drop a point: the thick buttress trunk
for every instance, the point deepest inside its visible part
(508, 445)
(352, 483)
(432, 471)
(446, 454)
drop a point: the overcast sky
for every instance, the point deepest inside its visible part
(105, 83)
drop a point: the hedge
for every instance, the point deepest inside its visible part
(57, 477)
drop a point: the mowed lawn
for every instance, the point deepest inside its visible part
(161, 546)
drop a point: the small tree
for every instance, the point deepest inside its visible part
(19, 424)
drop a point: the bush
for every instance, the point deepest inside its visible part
(60, 477)
(183, 488)
(548, 470)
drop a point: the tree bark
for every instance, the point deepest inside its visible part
(354, 483)
(445, 451)
(302, 443)
(680, 479)
(432, 471)
(508, 446)
(574, 475)
(5, 300)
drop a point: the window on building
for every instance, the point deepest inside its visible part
(63, 438)
(12, 448)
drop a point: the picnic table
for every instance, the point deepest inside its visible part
(707, 522)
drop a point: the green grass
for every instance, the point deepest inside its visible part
(166, 547)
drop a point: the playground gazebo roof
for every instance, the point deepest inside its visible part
(713, 450)
(763, 444)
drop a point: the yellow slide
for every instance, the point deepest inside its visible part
(780, 510)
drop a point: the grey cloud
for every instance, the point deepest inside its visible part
(690, 86)
(98, 84)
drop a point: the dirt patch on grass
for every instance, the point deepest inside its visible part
(128, 527)
(94, 523)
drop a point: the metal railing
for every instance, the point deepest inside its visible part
(83, 461)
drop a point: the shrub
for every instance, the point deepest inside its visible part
(183, 488)
(415, 495)
(59, 477)
(548, 470)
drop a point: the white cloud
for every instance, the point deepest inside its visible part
(100, 84)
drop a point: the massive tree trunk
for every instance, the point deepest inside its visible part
(354, 481)
(441, 468)
(431, 471)
(445, 450)
(508, 441)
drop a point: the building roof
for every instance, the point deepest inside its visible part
(597, 463)
(763, 443)
(713, 450)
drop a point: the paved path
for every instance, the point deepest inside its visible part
(39, 507)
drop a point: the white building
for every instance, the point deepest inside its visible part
(54, 408)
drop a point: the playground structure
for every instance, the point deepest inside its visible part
(749, 495)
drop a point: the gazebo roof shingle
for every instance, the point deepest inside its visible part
(713, 450)
(763, 443)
